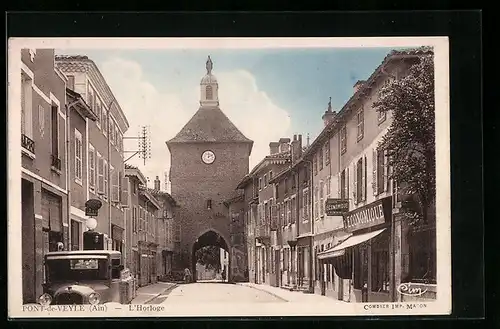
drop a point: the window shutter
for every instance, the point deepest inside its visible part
(100, 175)
(347, 183)
(124, 192)
(355, 191)
(365, 170)
(92, 167)
(339, 185)
(374, 179)
(115, 187)
(386, 167)
(106, 178)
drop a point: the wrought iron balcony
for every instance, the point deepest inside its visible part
(55, 162)
(27, 143)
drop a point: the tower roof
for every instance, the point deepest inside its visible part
(209, 124)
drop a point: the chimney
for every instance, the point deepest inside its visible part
(296, 147)
(157, 183)
(329, 114)
(274, 148)
(300, 146)
(358, 85)
(284, 144)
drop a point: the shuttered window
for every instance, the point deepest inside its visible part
(106, 179)
(358, 182)
(321, 198)
(320, 159)
(115, 187)
(91, 168)
(100, 174)
(78, 156)
(327, 152)
(343, 140)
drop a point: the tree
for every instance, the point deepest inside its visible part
(209, 256)
(410, 140)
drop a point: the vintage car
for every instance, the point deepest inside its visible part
(84, 277)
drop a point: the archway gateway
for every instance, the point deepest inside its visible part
(214, 239)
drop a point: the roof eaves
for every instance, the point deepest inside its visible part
(150, 197)
(137, 173)
(393, 55)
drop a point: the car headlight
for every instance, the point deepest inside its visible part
(45, 299)
(94, 298)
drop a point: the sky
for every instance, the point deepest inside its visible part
(266, 93)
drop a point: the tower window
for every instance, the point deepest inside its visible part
(209, 93)
(209, 204)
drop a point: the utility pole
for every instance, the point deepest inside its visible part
(144, 144)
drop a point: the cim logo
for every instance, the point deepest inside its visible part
(406, 289)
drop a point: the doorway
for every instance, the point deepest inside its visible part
(210, 255)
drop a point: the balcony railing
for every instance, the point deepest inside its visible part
(55, 161)
(27, 143)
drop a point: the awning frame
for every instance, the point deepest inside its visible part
(351, 241)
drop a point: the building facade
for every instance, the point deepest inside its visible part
(44, 179)
(209, 156)
(258, 195)
(79, 114)
(102, 151)
(365, 258)
(239, 254)
(292, 189)
(165, 227)
(149, 229)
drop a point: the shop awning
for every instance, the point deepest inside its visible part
(351, 241)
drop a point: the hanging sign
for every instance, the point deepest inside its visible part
(92, 207)
(336, 207)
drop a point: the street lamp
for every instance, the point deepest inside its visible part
(91, 223)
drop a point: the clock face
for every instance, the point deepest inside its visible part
(208, 157)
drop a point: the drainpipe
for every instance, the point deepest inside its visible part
(68, 152)
(393, 228)
(109, 171)
(254, 239)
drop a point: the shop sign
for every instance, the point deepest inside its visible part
(336, 207)
(376, 213)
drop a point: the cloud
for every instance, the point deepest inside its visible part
(249, 108)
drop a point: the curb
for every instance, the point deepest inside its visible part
(172, 287)
(268, 292)
(175, 285)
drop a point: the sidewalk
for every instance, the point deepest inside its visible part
(148, 293)
(291, 296)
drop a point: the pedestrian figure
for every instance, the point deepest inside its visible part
(187, 275)
(224, 275)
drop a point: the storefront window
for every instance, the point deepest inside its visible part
(380, 264)
(360, 266)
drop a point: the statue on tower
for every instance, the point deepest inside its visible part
(209, 65)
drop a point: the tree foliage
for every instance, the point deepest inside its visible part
(410, 140)
(209, 256)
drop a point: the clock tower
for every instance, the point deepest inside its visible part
(209, 156)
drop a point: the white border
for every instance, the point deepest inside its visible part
(442, 305)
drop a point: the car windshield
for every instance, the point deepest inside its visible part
(76, 269)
